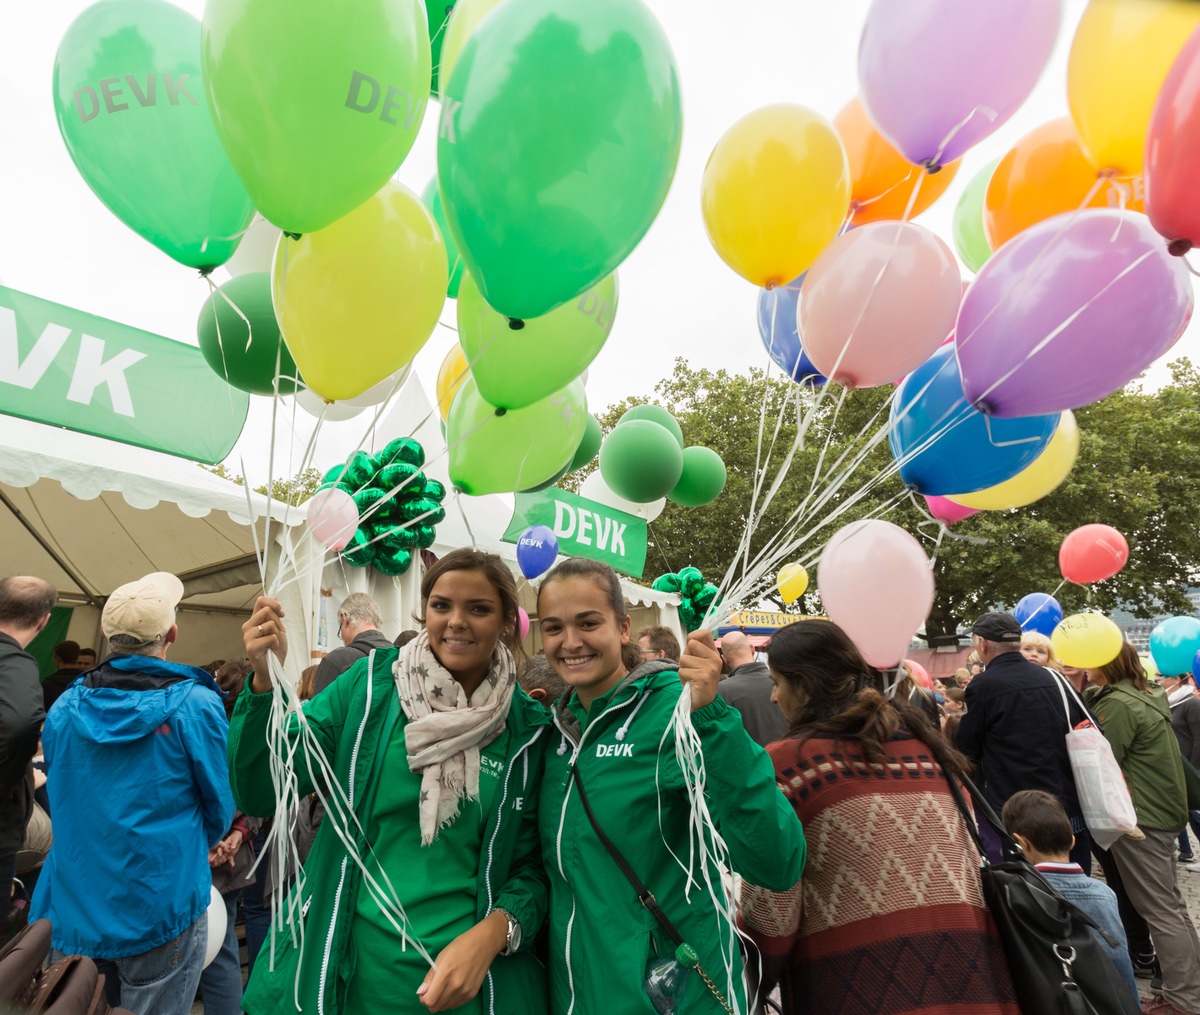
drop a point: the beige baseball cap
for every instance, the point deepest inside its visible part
(143, 610)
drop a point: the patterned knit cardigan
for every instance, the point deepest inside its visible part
(889, 917)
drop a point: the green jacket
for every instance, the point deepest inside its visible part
(600, 936)
(351, 718)
(1138, 728)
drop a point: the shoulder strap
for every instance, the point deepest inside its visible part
(1074, 694)
(644, 895)
(1058, 682)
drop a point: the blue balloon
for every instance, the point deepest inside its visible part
(944, 446)
(780, 335)
(1174, 644)
(536, 550)
(1196, 667)
(1038, 611)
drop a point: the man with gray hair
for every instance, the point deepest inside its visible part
(135, 758)
(748, 689)
(25, 605)
(359, 622)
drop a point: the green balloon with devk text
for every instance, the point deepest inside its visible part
(316, 103)
(239, 337)
(970, 236)
(494, 451)
(515, 367)
(559, 135)
(132, 111)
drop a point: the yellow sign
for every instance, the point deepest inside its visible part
(755, 618)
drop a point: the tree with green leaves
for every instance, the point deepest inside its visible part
(295, 490)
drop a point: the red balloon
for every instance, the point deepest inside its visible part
(1092, 553)
(1173, 152)
(919, 674)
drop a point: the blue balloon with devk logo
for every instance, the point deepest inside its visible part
(536, 550)
(778, 328)
(1174, 644)
(1040, 612)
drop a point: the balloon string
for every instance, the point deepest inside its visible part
(912, 197)
(1043, 604)
(987, 111)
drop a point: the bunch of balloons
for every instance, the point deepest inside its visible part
(644, 461)
(697, 597)
(399, 506)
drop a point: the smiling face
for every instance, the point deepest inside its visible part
(465, 618)
(582, 636)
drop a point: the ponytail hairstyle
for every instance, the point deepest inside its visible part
(842, 697)
(605, 578)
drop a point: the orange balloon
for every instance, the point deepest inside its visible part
(1046, 174)
(883, 180)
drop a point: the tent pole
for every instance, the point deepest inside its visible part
(90, 596)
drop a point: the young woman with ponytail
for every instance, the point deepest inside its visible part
(889, 916)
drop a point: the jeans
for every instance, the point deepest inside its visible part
(162, 981)
(221, 980)
(256, 913)
(1185, 847)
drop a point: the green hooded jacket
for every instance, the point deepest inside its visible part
(601, 937)
(1137, 726)
(351, 718)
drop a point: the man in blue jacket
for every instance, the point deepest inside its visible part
(135, 756)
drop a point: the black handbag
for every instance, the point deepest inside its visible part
(1057, 965)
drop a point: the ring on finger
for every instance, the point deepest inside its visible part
(260, 630)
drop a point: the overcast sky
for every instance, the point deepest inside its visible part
(678, 298)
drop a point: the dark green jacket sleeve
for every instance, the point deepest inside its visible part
(765, 840)
(524, 893)
(249, 751)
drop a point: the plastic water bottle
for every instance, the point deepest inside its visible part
(666, 977)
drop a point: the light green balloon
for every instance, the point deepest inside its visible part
(132, 111)
(495, 451)
(560, 131)
(515, 368)
(970, 237)
(432, 199)
(316, 103)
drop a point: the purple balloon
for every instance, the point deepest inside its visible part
(1069, 311)
(938, 76)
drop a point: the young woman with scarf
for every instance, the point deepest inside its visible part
(438, 750)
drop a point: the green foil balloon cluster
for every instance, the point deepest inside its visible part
(697, 595)
(394, 525)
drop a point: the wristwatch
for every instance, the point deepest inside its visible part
(513, 941)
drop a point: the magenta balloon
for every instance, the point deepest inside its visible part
(938, 76)
(877, 302)
(332, 518)
(522, 623)
(1069, 311)
(876, 584)
(945, 510)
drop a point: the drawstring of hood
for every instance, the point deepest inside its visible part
(569, 725)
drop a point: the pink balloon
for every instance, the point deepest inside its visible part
(919, 674)
(945, 510)
(522, 623)
(876, 584)
(877, 302)
(332, 518)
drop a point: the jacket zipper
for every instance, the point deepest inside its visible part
(337, 895)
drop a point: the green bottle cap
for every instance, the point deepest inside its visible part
(686, 956)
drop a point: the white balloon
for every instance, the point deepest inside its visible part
(257, 249)
(378, 392)
(332, 412)
(594, 488)
(217, 919)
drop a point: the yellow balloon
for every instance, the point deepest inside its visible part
(454, 371)
(1119, 59)
(792, 582)
(357, 299)
(1087, 641)
(464, 19)
(775, 192)
(1042, 476)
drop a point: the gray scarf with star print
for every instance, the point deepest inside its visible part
(446, 730)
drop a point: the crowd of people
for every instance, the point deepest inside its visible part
(486, 831)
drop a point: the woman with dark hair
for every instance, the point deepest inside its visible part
(437, 749)
(892, 884)
(1137, 725)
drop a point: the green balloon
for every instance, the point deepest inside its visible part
(316, 103)
(970, 237)
(515, 368)
(641, 461)
(360, 551)
(560, 132)
(656, 414)
(702, 479)
(432, 199)
(589, 447)
(494, 451)
(240, 339)
(437, 13)
(393, 561)
(403, 449)
(131, 108)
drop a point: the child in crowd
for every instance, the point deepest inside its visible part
(1040, 825)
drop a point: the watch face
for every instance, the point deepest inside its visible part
(514, 935)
